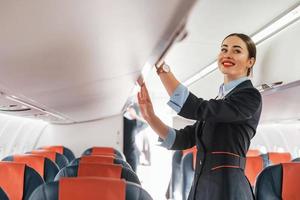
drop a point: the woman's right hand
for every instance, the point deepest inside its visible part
(145, 103)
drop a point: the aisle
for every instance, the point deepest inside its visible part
(155, 178)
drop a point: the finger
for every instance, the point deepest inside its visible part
(139, 97)
(145, 92)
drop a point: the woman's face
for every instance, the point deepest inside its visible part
(233, 58)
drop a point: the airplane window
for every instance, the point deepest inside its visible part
(263, 149)
(298, 153)
(280, 149)
(1, 152)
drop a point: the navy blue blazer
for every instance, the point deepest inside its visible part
(223, 125)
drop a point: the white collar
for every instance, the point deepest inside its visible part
(226, 88)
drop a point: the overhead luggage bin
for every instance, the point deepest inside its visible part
(47, 41)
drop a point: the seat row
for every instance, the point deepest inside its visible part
(99, 172)
(257, 165)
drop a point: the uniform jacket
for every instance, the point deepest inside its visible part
(224, 125)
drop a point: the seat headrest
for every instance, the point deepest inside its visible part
(99, 170)
(290, 180)
(61, 150)
(102, 160)
(102, 150)
(57, 149)
(36, 162)
(57, 158)
(253, 152)
(276, 157)
(46, 153)
(92, 188)
(254, 165)
(97, 159)
(12, 179)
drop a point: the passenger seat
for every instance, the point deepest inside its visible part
(278, 182)
(44, 166)
(100, 159)
(99, 170)
(104, 151)
(18, 181)
(62, 150)
(254, 165)
(58, 158)
(277, 157)
(90, 188)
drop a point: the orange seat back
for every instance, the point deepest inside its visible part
(99, 170)
(277, 158)
(92, 188)
(12, 179)
(97, 159)
(253, 152)
(254, 165)
(34, 161)
(48, 154)
(57, 149)
(290, 181)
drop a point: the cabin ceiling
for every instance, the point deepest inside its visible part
(80, 60)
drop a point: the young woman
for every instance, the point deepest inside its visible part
(224, 126)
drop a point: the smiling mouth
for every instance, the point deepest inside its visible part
(228, 64)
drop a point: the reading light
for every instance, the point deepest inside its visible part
(15, 99)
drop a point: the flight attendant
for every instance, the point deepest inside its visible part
(224, 126)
